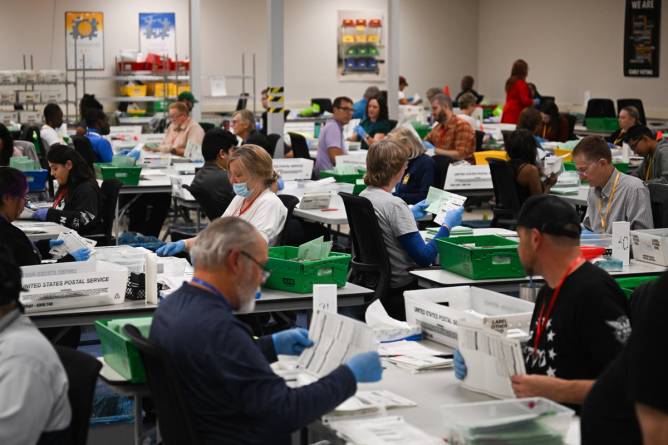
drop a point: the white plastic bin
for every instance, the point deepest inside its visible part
(72, 285)
(534, 418)
(650, 246)
(438, 310)
(294, 169)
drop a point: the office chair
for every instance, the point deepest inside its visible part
(209, 205)
(637, 103)
(507, 203)
(479, 136)
(370, 266)
(82, 371)
(600, 108)
(658, 196)
(325, 104)
(242, 102)
(272, 140)
(110, 191)
(299, 146)
(174, 416)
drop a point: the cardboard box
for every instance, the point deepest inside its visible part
(73, 285)
(51, 76)
(650, 246)
(437, 311)
(29, 97)
(30, 117)
(52, 96)
(7, 97)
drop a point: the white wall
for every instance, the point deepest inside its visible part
(570, 45)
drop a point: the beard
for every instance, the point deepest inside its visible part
(246, 294)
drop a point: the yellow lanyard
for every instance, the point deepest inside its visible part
(648, 171)
(546, 128)
(600, 202)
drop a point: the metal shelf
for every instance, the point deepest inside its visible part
(138, 98)
(135, 119)
(142, 78)
(23, 84)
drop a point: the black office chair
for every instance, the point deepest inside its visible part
(325, 104)
(442, 164)
(242, 102)
(82, 371)
(637, 103)
(110, 191)
(600, 108)
(272, 140)
(393, 124)
(370, 266)
(479, 136)
(299, 146)
(571, 125)
(206, 126)
(507, 203)
(292, 232)
(174, 416)
(545, 99)
(658, 196)
(209, 205)
(83, 146)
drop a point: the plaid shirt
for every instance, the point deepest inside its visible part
(456, 134)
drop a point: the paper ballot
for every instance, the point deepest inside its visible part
(491, 358)
(440, 202)
(337, 338)
(72, 242)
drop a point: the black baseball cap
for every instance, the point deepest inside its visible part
(550, 215)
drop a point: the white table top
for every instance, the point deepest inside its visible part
(444, 278)
(40, 230)
(334, 215)
(580, 199)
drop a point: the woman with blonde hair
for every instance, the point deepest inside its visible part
(421, 170)
(252, 175)
(386, 164)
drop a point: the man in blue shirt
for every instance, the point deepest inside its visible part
(232, 392)
(98, 125)
(359, 107)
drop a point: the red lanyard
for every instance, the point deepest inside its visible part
(544, 316)
(59, 197)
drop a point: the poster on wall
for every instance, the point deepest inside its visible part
(157, 33)
(642, 31)
(360, 55)
(84, 37)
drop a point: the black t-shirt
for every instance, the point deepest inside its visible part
(587, 329)
(638, 375)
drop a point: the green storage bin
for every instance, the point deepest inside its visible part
(608, 124)
(422, 129)
(118, 351)
(290, 275)
(122, 161)
(621, 166)
(23, 163)
(348, 178)
(127, 175)
(629, 284)
(480, 257)
(360, 186)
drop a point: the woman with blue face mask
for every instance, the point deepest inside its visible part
(252, 175)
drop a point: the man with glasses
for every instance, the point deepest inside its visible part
(330, 142)
(654, 167)
(231, 391)
(613, 196)
(181, 132)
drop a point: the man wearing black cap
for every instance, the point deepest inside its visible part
(580, 321)
(33, 385)
(654, 167)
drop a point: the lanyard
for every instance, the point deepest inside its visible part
(59, 197)
(648, 171)
(209, 287)
(545, 130)
(543, 315)
(612, 195)
(246, 207)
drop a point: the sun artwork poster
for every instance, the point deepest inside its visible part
(84, 37)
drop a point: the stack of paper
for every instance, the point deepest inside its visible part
(383, 431)
(316, 249)
(440, 202)
(367, 402)
(387, 328)
(417, 364)
(72, 242)
(524, 431)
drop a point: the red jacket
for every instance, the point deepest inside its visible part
(517, 99)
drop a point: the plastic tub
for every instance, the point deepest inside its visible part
(481, 156)
(349, 178)
(36, 179)
(629, 284)
(480, 257)
(607, 124)
(127, 175)
(118, 351)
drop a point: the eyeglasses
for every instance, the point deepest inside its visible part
(346, 109)
(583, 171)
(266, 273)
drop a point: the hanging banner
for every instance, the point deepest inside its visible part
(157, 33)
(84, 36)
(642, 30)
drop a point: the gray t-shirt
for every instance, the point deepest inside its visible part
(657, 163)
(395, 219)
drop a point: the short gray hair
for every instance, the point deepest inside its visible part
(407, 138)
(443, 100)
(372, 91)
(214, 243)
(433, 91)
(247, 116)
(633, 112)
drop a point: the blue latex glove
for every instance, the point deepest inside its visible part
(40, 214)
(171, 249)
(366, 367)
(360, 131)
(291, 341)
(428, 145)
(460, 366)
(419, 209)
(134, 154)
(280, 184)
(453, 218)
(81, 255)
(55, 242)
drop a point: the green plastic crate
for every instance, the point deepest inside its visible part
(127, 175)
(299, 276)
(348, 178)
(480, 257)
(621, 166)
(360, 186)
(629, 284)
(608, 124)
(422, 129)
(118, 351)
